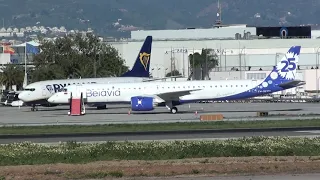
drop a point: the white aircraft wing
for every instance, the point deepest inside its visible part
(171, 96)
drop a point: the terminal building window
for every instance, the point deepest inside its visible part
(256, 75)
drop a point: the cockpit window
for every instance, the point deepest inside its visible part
(29, 89)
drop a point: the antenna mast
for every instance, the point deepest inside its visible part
(219, 20)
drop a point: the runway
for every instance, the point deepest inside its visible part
(119, 114)
(154, 136)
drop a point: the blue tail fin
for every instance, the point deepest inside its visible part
(286, 69)
(142, 63)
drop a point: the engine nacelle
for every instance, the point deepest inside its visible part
(140, 103)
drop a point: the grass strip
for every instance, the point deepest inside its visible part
(72, 152)
(157, 126)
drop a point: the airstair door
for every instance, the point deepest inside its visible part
(79, 90)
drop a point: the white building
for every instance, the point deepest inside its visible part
(171, 48)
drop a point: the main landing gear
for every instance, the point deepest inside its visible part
(172, 108)
(34, 107)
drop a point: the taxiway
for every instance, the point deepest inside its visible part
(119, 114)
(156, 136)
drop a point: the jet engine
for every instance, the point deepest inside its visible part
(140, 103)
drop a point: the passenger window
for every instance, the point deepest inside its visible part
(216, 86)
(211, 86)
(230, 85)
(226, 85)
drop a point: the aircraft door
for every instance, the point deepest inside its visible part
(44, 91)
(79, 90)
(255, 84)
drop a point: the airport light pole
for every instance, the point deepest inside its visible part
(241, 52)
(317, 66)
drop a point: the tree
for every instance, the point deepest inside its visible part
(12, 74)
(76, 56)
(202, 64)
(173, 73)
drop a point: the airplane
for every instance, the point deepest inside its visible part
(146, 96)
(37, 93)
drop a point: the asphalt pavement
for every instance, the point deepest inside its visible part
(156, 136)
(187, 113)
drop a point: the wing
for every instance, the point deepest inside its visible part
(171, 96)
(156, 79)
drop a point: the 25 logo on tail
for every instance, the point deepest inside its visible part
(289, 65)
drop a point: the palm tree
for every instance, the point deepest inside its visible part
(202, 64)
(11, 74)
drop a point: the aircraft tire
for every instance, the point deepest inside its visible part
(174, 110)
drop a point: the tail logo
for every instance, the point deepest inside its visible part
(287, 67)
(144, 59)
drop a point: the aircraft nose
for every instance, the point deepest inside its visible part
(22, 96)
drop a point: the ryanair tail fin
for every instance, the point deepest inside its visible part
(142, 64)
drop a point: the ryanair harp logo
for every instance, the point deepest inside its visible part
(144, 59)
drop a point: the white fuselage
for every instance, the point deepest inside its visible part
(39, 92)
(122, 92)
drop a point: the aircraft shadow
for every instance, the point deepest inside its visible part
(66, 109)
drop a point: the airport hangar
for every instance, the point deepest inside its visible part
(238, 47)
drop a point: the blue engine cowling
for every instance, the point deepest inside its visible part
(140, 103)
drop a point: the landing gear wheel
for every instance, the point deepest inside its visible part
(34, 109)
(174, 110)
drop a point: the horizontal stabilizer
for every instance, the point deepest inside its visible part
(293, 83)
